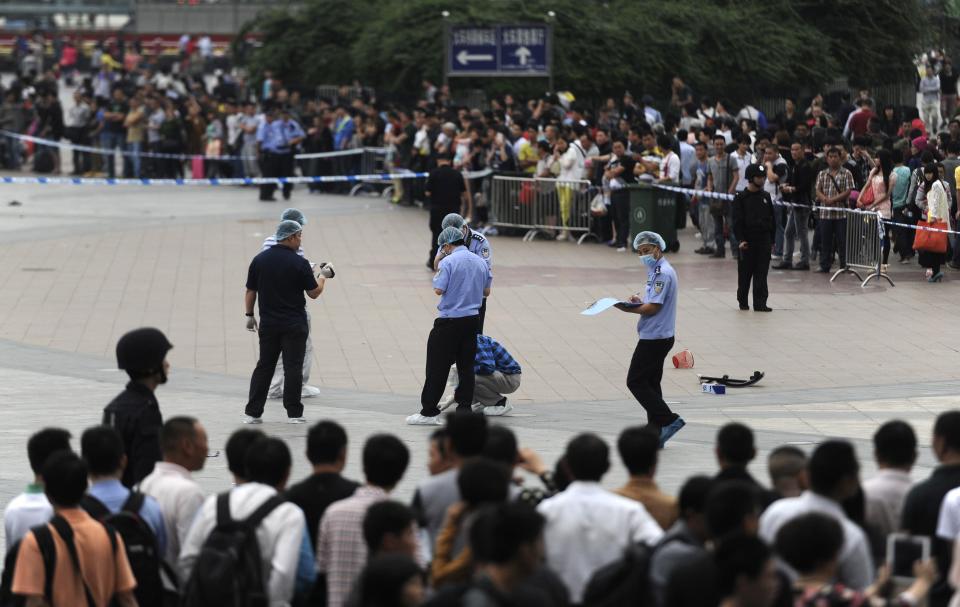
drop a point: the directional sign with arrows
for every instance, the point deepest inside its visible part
(473, 50)
(523, 48)
(502, 50)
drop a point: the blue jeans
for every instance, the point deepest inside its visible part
(778, 212)
(109, 142)
(135, 147)
(796, 228)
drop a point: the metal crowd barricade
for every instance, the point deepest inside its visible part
(864, 246)
(534, 204)
(371, 161)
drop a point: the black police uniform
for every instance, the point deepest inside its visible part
(753, 222)
(135, 414)
(280, 276)
(445, 185)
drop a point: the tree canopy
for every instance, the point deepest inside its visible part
(734, 48)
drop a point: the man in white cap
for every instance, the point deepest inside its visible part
(656, 329)
(276, 385)
(462, 280)
(279, 277)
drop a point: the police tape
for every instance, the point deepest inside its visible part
(110, 152)
(227, 181)
(725, 196)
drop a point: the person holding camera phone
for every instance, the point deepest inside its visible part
(279, 277)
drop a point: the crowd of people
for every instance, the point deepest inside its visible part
(122, 520)
(224, 126)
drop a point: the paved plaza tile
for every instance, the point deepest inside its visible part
(79, 266)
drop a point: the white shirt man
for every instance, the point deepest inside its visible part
(885, 494)
(180, 497)
(948, 525)
(280, 536)
(589, 527)
(855, 563)
(27, 510)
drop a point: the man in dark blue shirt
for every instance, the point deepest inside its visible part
(280, 277)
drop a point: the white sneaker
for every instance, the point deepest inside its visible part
(477, 407)
(496, 411)
(309, 391)
(621, 249)
(249, 419)
(297, 420)
(422, 420)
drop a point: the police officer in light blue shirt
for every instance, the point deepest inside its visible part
(658, 318)
(277, 137)
(476, 243)
(462, 281)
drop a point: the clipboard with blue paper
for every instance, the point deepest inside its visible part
(605, 304)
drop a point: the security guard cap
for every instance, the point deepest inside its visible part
(649, 238)
(142, 351)
(294, 215)
(755, 170)
(450, 235)
(454, 220)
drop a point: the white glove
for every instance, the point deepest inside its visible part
(326, 270)
(251, 324)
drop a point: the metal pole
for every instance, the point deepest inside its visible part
(550, 55)
(446, 50)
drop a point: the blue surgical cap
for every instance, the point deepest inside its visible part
(453, 220)
(294, 215)
(287, 228)
(449, 235)
(649, 238)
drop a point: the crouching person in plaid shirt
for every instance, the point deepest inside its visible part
(496, 374)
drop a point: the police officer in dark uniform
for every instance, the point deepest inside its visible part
(279, 277)
(135, 413)
(462, 280)
(446, 190)
(753, 227)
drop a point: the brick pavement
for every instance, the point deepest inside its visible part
(79, 266)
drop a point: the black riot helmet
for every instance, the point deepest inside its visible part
(141, 352)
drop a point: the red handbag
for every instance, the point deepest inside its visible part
(931, 242)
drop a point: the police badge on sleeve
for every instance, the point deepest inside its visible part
(485, 252)
(658, 287)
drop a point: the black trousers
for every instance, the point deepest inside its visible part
(451, 341)
(436, 220)
(276, 165)
(620, 207)
(753, 265)
(482, 316)
(291, 342)
(643, 379)
(833, 236)
(904, 236)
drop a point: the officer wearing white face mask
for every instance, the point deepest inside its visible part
(656, 328)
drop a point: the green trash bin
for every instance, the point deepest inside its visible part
(656, 210)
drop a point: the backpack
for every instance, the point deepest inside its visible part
(48, 553)
(625, 581)
(229, 568)
(144, 556)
